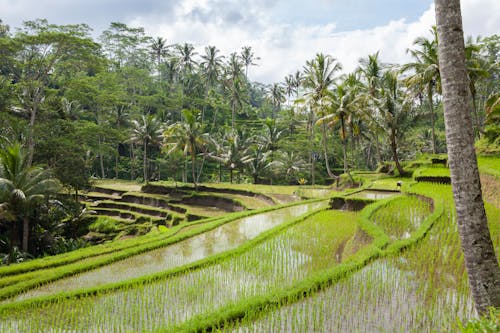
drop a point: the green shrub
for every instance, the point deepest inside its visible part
(105, 225)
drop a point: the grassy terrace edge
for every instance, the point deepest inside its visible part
(379, 247)
(62, 272)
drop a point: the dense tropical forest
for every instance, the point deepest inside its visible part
(96, 132)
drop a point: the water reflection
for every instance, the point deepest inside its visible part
(223, 238)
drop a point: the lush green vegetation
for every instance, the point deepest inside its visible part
(147, 187)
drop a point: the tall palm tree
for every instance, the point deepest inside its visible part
(234, 85)
(477, 69)
(371, 70)
(394, 113)
(147, 131)
(159, 50)
(188, 137)
(21, 188)
(425, 74)
(276, 95)
(479, 253)
(186, 54)
(211, 66)
(319, 77)
(248, 58)
(343, 104)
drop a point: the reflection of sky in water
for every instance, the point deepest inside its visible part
(374, 194)
(223, 238)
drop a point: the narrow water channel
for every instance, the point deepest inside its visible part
(223, 238)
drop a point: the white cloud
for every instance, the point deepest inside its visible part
(284, 48)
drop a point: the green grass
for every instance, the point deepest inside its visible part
(489, 165)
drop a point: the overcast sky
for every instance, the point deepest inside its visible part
(283, 33)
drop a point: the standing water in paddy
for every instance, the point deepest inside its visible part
(224, 238)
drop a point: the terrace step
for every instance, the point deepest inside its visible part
(141, 209)
(151, 200)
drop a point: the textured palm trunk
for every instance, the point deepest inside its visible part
(325, 150)
(433, 117)
(394, 149)
(26, 233)
(344, 148)
(145, 162)
(101, 159)
(480, 260)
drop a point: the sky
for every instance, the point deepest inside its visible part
(283, 33)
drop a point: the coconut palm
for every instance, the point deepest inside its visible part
(186, 54)
(159, 50)
(211, 67)
(394, 115)
(276, 95)
(232, 151)
(290, 165)
(21, 188)
(188, 137)
(234, 85)
(248, 58)
(425, 75)
(479, 253)
(147, 132)
(257, 162)
(477, 69)
(344, 102)
(371, 71)
(319, 77)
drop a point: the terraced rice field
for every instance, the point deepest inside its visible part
(394, 266)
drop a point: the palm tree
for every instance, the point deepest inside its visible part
(146, 132)
(258, 161)
(318, 79)
(234, 85)
(476, 70)
(159, 49)
(21, 187)
(186, 62)
(289, 164)
(425, 74)
(276, 95)
(343, 105)
(211, 67)
(479, 253)
(233, 151)
(371, 71)
(248, 58)
(393, 112)
(186, 136)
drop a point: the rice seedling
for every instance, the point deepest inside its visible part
(275, 263)
(218, 240)
(421, 290)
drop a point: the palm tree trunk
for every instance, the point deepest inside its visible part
(378, 155)
(479, 254)
(344, 149)
(26, 233)
(145, 162)
(325, 151)
(132, 160)
(101, 159)
(433, 121)
(193, 170)
(394, 149)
